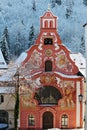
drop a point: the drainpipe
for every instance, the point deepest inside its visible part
(85, 125)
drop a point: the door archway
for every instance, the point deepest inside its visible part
(47, 119)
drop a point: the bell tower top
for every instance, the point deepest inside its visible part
(48, 20)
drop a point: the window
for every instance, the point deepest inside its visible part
(64, 121)
(1, 98)
(48, 66)
(48, 41)
(3, 116)
(31, 120)
(51, 24)
(48, 95)
(46, 24)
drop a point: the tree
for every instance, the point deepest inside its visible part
(85, 2)
(7, 36)
(34, 5)
(31, 36)
(54, 2)
(5, 49)
(18, 45)
(58, 2)
(69, 6)
(82, 46)
(68, 12)
(16, 110)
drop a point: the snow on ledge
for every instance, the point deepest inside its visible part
(7, 90)
(65, 129)
(66, 76)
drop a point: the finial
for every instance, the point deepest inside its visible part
(48, 7)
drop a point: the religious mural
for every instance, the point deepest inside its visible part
(69, 94)
(48, 95)
(62, 62)
(35, 60)
(26, 95)
(48, 79)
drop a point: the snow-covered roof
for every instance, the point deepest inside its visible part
(21, 58)
(80, 61)
(7, 90)
(3, 64)
(8, 75)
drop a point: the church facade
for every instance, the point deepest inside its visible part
(51, 85)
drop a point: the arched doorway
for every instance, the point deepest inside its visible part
(47, 120)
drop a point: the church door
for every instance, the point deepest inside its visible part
(47, 120)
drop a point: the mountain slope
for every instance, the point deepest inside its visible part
(19, 15)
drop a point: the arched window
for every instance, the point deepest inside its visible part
(64, 121)
(46, 24)
(48, 66)
(48, 41)
(51, 24)
(47, 95)
(31, 120)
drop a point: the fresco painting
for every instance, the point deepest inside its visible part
(69, 92)
(62, 62)
(26, 96)
(35, 60)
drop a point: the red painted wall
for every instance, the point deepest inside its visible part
(63, 77)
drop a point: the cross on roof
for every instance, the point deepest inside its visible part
(49, 7)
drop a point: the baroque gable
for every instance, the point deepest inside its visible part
(50, 82)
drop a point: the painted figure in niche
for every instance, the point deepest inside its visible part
(62, 59)
(49, 99)
(62, 62)
(35, 59)
(48, 79)
(27, 96)
(69, 97)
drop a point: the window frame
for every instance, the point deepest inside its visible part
(47, 64)
(31, 120)
(48, 41)
(1, 98)
(4, 116)
(64, 121)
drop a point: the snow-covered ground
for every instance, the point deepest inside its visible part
(65, 129)
(3, 125)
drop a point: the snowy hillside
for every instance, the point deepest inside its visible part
(19, 15)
